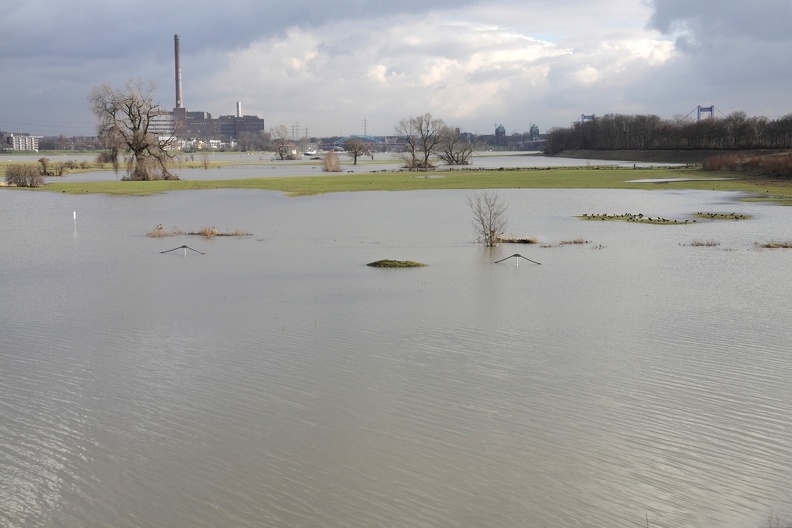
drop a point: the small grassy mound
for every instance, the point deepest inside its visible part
(387, 263)
(776, 245)
(208, 232)
(518, 240)
(703, 243)
(571, 242)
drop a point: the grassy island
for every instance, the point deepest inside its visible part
(636, 218)
(387, 263)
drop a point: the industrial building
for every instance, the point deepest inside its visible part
(184, 124)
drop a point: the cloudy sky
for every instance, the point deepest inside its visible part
(331, 66)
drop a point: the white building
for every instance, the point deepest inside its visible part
(162, 124)
(21, 141)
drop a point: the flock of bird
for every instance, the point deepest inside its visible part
(640, 218)
(723, 216)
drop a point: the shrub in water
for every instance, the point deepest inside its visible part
(332, 163)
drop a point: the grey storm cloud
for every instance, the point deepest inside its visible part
(713, 21)
(112, 29)
(734, 50)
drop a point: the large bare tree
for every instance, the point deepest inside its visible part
(125, 121)
(455, 148)
(422, 136)
(489, 216)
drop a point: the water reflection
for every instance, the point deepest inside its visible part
(277, 380)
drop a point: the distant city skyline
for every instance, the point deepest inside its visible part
(349, 67)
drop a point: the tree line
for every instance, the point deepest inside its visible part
(125, 126)
(649, 132)
(427, 138)
(126, 116)
(425, 141)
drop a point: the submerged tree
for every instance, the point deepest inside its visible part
(423, 138)
(331, 162)
(125, 122)
(355, 148)
(281, 143)
(456, 148)
(489, 216)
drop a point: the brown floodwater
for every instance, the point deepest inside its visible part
(277, 380)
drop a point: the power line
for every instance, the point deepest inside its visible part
(6, 121)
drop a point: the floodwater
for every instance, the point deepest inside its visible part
(262, 165)
(277, 380)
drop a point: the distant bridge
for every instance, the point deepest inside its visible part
(365, 139)
(700, 111)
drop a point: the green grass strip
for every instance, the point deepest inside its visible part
(387, 263)
(555, 178)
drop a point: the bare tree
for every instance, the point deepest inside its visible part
(455, 147)
(422, 139)
(281, 142)
(356, 147)
(125, 119)
(489, 216)
(409, 153)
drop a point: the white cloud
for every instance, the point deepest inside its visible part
(329, 67)
(460, 70)
(586, 75)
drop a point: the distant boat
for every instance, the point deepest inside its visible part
(310, 152)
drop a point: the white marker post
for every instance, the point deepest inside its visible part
(74, 214)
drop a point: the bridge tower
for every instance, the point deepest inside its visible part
(702, 110)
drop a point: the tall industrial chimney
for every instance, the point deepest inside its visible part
(239, 108)
(177, 52)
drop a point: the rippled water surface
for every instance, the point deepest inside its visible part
(278, 381)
